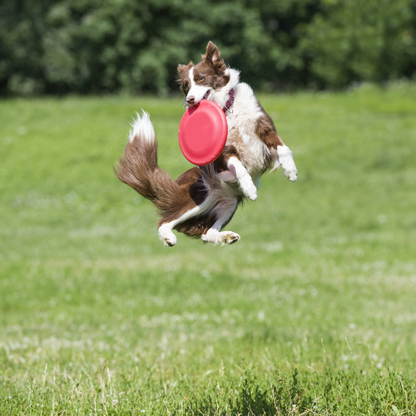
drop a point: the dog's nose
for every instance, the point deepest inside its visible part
(190, 100)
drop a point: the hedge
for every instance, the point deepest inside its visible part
(134, 46)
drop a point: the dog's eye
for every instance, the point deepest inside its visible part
(201, 79)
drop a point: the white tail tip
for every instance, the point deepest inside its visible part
(142, 127)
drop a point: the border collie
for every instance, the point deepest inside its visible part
(204, 199)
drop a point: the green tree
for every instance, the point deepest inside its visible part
(94, 46)
(361, 40)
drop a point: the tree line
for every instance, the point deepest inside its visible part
(134, 46)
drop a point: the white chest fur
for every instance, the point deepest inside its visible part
(241, 130)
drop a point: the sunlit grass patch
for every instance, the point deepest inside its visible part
(312, 312)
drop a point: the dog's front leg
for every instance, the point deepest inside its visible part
(282, 155)
(247, 186)
(285, 159)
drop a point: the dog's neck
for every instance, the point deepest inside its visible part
(221, 96)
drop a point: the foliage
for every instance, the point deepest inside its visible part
(91, 46)
(362, 40)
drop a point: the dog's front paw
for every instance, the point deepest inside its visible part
(287, 163)
(291, 174)
(251, 194)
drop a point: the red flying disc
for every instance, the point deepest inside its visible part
(203, 132)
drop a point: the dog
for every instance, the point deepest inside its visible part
(204, 199)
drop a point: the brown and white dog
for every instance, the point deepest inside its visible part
(204, 199)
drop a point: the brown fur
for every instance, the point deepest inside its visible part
(138, 168)
(210, 71)
(190, 193)
(200, 224)
(196, 226)
(266, 131)
(183, 77)
(220, 164)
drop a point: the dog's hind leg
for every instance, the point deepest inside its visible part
(205, 206)
(165, 229)
(224, 211)
(189, 199)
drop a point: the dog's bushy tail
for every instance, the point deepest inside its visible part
(138, 167)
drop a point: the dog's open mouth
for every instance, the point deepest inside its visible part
(206, 95)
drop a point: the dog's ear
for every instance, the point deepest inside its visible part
(213, 55)
(181, 68)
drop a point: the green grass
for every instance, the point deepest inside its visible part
(312, 312)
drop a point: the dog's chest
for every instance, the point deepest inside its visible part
(241, 135)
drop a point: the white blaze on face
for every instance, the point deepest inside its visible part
(197, 91)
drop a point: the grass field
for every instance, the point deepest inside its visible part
(313, 311)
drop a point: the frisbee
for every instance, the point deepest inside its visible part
(203, 132)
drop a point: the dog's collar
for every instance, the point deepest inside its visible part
(230, 101)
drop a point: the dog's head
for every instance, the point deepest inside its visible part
(199, 82)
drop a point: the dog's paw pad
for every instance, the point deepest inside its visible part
(229, 237)
(249, 189)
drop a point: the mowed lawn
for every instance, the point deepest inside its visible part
(313, 311)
